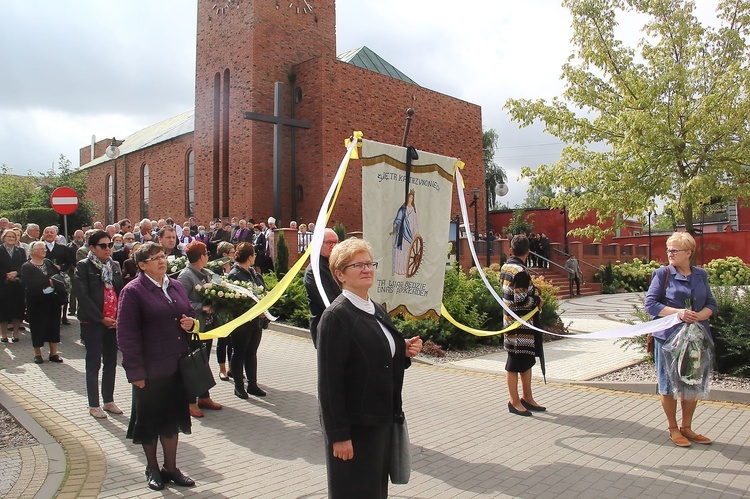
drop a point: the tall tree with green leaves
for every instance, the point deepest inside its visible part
(667, 119)
(538, 196)
(493, 173)
(16, 191)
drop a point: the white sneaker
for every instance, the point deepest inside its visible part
(111, 407)
(97, 412)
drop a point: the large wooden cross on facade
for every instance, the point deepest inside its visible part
(278, 137)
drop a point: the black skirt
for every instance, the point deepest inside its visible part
(159, 409)
(366, 475)
(519, 362)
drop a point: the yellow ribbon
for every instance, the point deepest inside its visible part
(479, 332)
(277, 292)
(347, 141)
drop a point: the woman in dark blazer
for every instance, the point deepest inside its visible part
(153, 318)
(361, 362)
(12, 304)
(43, 309)
(246, 338)
(97, 282)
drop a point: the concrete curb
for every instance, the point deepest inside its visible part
(56, 461)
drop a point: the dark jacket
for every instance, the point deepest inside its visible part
(314, 301)
(237, 273)
(35, 282)
(89, 289)
(359, 382)
(148, 328)
(61, 256)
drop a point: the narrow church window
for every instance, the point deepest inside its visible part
(145, 189)
(225, 146)
(190, 183)
(110, 203)
(215, 149)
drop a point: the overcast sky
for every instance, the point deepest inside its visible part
(75, 68)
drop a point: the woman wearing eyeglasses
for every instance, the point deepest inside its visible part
(361, 362)
(672, 288)
(153, 318)
(42, 308)
(97, 283)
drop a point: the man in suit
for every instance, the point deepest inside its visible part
(144, 234)
(315, 303)
(243, 233)
(31, 234)
(221, 233)
(61, 256)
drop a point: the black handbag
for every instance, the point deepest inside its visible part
(196, 374)
(400, 464)
(61, 285)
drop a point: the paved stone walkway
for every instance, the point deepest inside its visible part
(591, 443)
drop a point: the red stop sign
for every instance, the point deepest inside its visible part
(64, 200)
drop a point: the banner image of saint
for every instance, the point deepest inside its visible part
(405, 232)
(407, 226)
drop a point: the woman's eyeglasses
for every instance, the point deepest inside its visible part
(362, 265)
(105, 245)
(156, 258)
(674, 251)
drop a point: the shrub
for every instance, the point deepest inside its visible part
(731, 332)
(43, 217)
(730, 271)
(291, 308)
(282, 255)
(628, 276)
(340, 231)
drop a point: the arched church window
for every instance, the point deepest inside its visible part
(110, 201)
(145, 191)
(190, 209)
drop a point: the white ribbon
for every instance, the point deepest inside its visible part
(322, 220)
(654, 326)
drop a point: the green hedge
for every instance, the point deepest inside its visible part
(628, 276)
(730, 271)
(464, 295)
(43, 217)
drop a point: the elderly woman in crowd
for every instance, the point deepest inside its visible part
(12, 306)
(129, 267)
(153, 319)
(361, 362)
(246, 338)
(98, 282)
(224, 345)
(43, 309)
(191, 276)
(672, 287)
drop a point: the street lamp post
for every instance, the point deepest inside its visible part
(501, 190)
(112, 152)
(475, 192)
(564, 213)
(649, 235)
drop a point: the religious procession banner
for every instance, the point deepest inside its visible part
(406, 209)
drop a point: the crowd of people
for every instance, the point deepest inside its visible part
(125, 299)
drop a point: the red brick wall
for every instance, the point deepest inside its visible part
(348, 98)
(167, 174)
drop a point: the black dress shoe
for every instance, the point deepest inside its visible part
(177, 477)
(532, 407)
(255, 390)
(65, 322)
(513, 410)
(241, 393)
(154, 479)
(4, 340)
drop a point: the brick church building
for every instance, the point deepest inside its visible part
(214, 162)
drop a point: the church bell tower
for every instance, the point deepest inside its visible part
(243, 48)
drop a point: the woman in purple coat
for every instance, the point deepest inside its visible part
(153, 319)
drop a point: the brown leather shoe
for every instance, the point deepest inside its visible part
(208, 404)
(688, 433)
(196, 414)
(680, 441)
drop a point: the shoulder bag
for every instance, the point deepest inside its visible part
(400, 465)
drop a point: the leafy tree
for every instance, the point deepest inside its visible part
(340, 230)
(15, 191)
(65, 175)
(519, 223)
(669, 120)
(538, 196)
(493, 173)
